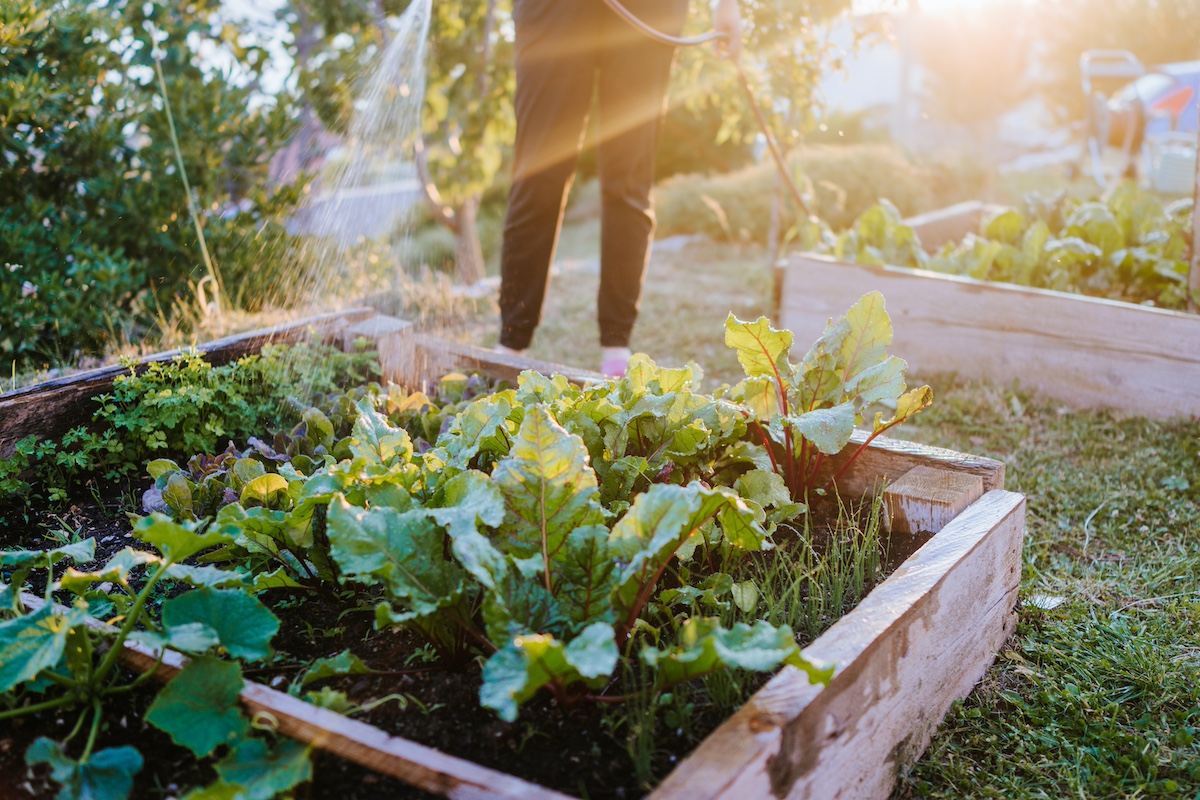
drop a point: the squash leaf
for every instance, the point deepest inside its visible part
(199, 709)
(105, 775)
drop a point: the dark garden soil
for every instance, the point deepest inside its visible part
(572, 750)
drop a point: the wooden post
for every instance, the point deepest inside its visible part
(393, 340)
(925, 499)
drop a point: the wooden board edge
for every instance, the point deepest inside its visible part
(797, 263)
(233, 345)
(420, 766)
(886, 459)
(53, 406)
(745, 756)
(950, 224)
(416, 360)
(925, 499)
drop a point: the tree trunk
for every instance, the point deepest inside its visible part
(468, 251)
(775, 231)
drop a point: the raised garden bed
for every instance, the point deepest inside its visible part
(1087, 352)
(918, 641)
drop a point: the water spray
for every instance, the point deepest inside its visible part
(705, 38)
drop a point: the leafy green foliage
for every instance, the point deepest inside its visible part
(703, 646)
(93, 225)
(562, 535)
(105, 775)
(261, 772)
(181, 407)
(199, 707)
(57, 656)
(1130, 246)
(34, 642)
(504, 533)
(806, 412)
(240, 625)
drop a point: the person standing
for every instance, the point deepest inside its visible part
(566, 50)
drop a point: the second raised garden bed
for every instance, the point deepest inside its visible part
(916, 643)
(1086, 352)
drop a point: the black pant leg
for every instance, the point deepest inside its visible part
(556, 52)
(634, 74)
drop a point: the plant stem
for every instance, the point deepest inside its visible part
(59, 679)
(140, 679)
(818, 462)
(78, 726)
(613, 698)
(767, 444)
(110, 658)
(857, 453)
(91, 742)
(37, 708)
(213, 274)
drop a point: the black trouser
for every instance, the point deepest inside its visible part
(566, 50)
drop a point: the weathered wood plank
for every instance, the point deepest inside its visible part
(417, 360)
(1086, 352)
(53, 407)
(917, 643)
(950, 224)
(886, 460)
(420, 766)
(925, 499)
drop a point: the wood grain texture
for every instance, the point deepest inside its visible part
(886, 460)
(355, 741)
(1086, 352)
(925, 499)
(52, 408)
(950, 224)
(917, 643)
(426, 358)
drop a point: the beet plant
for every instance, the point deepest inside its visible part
(804, 413)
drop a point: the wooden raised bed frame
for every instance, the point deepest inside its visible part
(1086, 352)
(914, 645)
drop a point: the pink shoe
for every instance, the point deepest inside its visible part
(614, 361)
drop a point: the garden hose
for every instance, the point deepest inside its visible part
(712, 36)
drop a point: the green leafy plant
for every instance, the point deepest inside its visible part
(263, 491)
(559, 590)
(1128, 246)
(804, 413)
(182, 407)
(60, 657)
(93, 225)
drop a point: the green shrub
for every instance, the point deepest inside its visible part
(845, 182)
(94, 232)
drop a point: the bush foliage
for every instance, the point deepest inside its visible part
(95, 238)
(844, 182)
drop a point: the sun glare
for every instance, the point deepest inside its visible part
(925, 6)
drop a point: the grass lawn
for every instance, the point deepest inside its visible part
(1098, 697)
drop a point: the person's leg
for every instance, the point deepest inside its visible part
(633, 77)
(556, 46)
